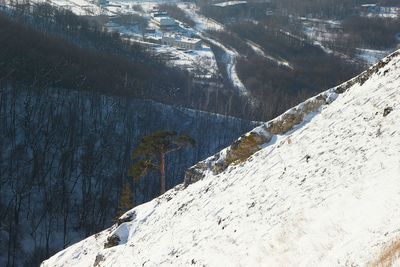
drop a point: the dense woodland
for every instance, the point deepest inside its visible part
(376, 33)
(310, 69)
(72, 109)
(178, 14)
(64, 158)
(75, 52)
(29, 55)
(279, 30)
(84, 60)
(358, 31)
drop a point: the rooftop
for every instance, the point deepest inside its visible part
(230, 3)
(183, 38)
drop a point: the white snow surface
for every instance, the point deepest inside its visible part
(325, 194)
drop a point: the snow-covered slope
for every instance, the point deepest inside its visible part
(325, 193)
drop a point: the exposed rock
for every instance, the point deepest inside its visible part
(112, 241)
(386, 111)
(296, 115)
(243, 148)
(126, 218)
(195, 173)
(99, 258)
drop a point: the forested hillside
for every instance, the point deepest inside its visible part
(64, 157)
(82, 82)
(72, 108)
(58, 49)
(316, 186)
(49, 46)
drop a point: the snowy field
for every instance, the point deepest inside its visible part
(325, 194)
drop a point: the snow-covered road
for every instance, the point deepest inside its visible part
(202, 25)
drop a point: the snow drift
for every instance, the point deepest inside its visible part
(318, 186)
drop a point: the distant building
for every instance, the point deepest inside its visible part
(182, 42)
(165, 22)
(158, 13)
(370, 8)
(231, 4)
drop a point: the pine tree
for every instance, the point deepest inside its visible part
(150, 154)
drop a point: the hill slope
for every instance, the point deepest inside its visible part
(325, 193)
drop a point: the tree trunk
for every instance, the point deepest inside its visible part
(162, 173)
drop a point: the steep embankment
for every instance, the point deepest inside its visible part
(321, 189)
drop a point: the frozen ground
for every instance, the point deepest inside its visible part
(325, 194)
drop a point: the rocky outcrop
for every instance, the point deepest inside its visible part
(251, 142)
(98, 260)
(241, 150)
(112, 241)
(126, 218)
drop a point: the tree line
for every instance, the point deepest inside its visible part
(278, 87)
(32, 56)
(74, 52)
(65, 156)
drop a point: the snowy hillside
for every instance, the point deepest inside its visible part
(325, 192)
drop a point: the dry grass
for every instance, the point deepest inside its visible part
(388, 255)
(241, 150)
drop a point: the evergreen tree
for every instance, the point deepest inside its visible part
(150, 154)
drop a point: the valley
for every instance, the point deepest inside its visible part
(270, 93)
